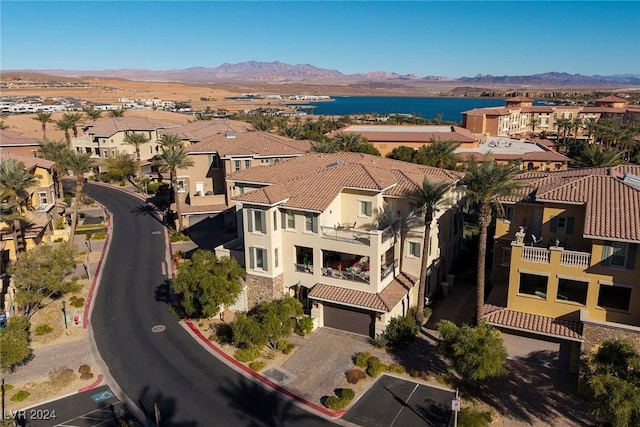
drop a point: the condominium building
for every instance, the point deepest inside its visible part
(566, 268)
(341, 232)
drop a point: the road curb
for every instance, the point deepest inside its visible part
(93, 385)
(221, 355)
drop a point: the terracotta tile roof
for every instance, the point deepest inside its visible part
(313, 181)
(107, 126)
(30, 162)
(611, 98)
(519, 99)
(256, 143)
(612, 207)
(408, 134)
(501, 316)
(383, 302)
(10, 138)
(200, 129)
(196, 209)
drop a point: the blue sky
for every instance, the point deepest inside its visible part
(424, 38)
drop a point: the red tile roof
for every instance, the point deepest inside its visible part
(108, 126)
(313, 181)
(29, 161)
(200, 129)
(256, 143)
(383, 302)
(10, 138)
(501, 316)
(408, 134)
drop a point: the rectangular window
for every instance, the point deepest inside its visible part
(616, 297)
(42, 196)
(291, 220)
(310, 223)
(532, 284)
(258, 259)
(561, 224)
(256, 221)
(236, 165)
(181, 184)
(506, 256)
(240, 190)
(414, 249)
(365, 208)
(276, 258)
(618, 254)
(572, 290)
(275, 220)
(509, 213)
(247, 164)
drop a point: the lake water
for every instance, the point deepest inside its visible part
(450, 108)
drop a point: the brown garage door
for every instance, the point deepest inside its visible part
(349, 319)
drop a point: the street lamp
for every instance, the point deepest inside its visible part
(64, 313)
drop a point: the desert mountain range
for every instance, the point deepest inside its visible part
(253, 71)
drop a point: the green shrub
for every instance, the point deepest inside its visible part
(381, 341)
(361, 359)
(355, 375)
(258, 365)
(333, 403)
(43, 329)
(397, 368)
(346, 394)
(285, 346)
(100, 235)
(20, 396)
(58, 240)
(77, 302)
(86, 376)
(245, 355)
(175, 312)
(304, 325)
(415, 373)
(375, 367)
(470, 417)
(7, 387)
(402, 330)
(224, 333)
(179, 237)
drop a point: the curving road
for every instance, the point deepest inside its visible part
(190, 386)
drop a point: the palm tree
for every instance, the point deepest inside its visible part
(597, 156)
(348, 141)
(74, 119)
(170, 140)
(170, 160)
(44, 118)
(78, 164)
(430, 197)
(92, 113)
(66, 126)
(56, 152)
(116, 113)
(120, 166)
(592, 126)
(439, 154)
(533, 122)
(485, 183)
(564, 125)
(15, 181)
(324, 147)
(137, 139)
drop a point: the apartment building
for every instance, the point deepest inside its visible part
(566, 268)
(342, 234)
(37, 206)
(520, 116)
(203, 189)
(18, 143)
(197, 130)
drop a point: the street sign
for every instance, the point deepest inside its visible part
(455, 405)
(99, 397)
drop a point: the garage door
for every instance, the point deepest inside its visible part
(531, 348)
(349, 319)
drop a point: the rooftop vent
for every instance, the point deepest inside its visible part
(632, 180)
(230, 135)
(336, 163)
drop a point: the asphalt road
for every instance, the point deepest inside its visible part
(169, 369)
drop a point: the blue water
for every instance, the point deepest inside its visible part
(450, 108)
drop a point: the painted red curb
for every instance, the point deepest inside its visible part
(95, 384)
(259, 377)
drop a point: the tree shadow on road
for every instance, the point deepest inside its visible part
(421, 355)
(166, 406)
(269, 408)
(148, 210)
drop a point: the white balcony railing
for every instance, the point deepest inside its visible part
(533, 254)
(576, 259)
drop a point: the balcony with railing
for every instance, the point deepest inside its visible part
(554, 256)
(348, 233)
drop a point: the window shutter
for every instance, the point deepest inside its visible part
(553, 226)
(275, 220)
(265, 263)
(283, 218)
(263, 222)
(631, 255)
(606, 253)
(570, 222)
(252, 261)
(250, 220)
(314, 224)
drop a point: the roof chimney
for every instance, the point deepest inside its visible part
(453, 129)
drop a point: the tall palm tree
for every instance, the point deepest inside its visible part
(439, 154)
(44, 118)
(92, 113)
(533, 122)
(65, 125)
(348, 141)
(78, 164)
(564, 125)
(592, 125)
(170, 140)
(170, 160)
(15, 181)
(56, 152)
(137, 140)
(121, 166)
(327, 146)
(116, 113)
(430, 197)
(484, 184)
(74, 119)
